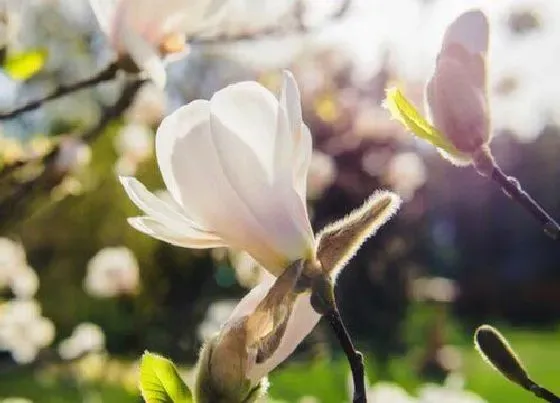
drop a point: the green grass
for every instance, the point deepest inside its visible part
(328, 380)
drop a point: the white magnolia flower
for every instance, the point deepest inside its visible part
(134, 144)
(451, 392)
(86, 338)
(385, 392)
(236, 167)
(147, 31)
(23, 330)
(111, 272)
(274, 317)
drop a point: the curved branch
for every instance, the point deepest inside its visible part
(107, 74)
(15, 202)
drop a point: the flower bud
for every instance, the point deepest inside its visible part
(456, 94)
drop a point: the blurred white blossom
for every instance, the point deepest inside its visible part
(148, 107)
(321, 174)
(73, 154)
(437, 289)
(385, 392)
(216, 315)
(451, 392)
(247, 270)
(86, 338)
(23, 330)
(134, 143)
(112, 271)
(405, 173)
(15, 273)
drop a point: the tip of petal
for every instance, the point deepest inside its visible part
(471, 30)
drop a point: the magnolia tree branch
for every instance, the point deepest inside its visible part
(513, 189)
(12, 204)
(354, 357)
(109, 73)
(275, 31)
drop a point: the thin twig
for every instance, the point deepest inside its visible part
(275, 31)
(105, 75)
(14, 202)
(513, 189)
(354, 357)
(544, 393)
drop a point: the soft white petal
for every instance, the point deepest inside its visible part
(302, 321)
(193, 239)
(178, 124)
(104, 11)
(250, 301)
(469, 30)
(271, 200)
(291, 101)
(302, 159)
(249, 112)
(156, 208)
(145, 55)
(201, 184)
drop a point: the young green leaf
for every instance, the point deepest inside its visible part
(160, 382)
(405, 112)
(23, 65)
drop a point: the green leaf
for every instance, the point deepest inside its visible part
(160, 382)
(405, 112)
(23, 65)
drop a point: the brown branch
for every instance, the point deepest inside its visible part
(12, 205)
(513, 189)
(107, 74)
(355, 358)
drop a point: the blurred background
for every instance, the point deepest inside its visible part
(82, 294)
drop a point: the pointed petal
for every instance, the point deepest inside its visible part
(156, 208)
(210, 190)
(303, 153)
(470, 30)
(339, 241)
(291, 101)
(195, 239)
(301, 322)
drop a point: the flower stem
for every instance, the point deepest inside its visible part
(107, 74)
(544, 393)
(354, 357)
(513, 189)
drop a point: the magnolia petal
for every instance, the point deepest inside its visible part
(457, 103)
(145, 55)
(339, 241)
(104, 11)
(175, 126)
(246, 110)
(156, 208)
(219, 207)
(193, 239)
(303, 153)
(274, 205)
(291, 101)
(470, 30)
(301, 322)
